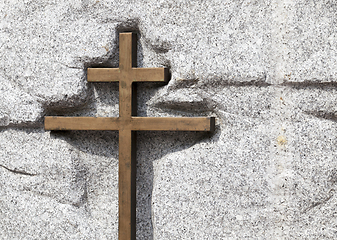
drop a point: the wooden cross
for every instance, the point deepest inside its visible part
(127, 124)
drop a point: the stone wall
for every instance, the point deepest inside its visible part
(267, 70)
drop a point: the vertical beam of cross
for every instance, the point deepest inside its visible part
(127, 142)
(127, 124)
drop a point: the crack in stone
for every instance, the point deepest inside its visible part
(310, 84)
(324, 201)
(323, 115)
(73, 67)
(19, 171)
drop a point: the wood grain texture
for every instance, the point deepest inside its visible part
(127, 185)
(103, 74)
(81, 123)
(171, 124)
(128, 123)
(125, 51)
(133, 123)
(150, 74)
(136, 74)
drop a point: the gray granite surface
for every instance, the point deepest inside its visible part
(267, 70)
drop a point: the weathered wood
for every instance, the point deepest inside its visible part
(125, 51)
(150, 74)
(81, 123)
(103, 74)
(133, 123)
(171, 124)
(127, 124)
(137, 74)
(127, 185)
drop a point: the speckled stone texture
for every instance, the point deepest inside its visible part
(267, 70)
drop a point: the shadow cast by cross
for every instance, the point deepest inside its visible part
(151, 146)
(128, 123)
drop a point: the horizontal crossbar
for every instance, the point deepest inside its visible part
(134, 123)
(135, 74)
(103, 74)
(172, 124)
